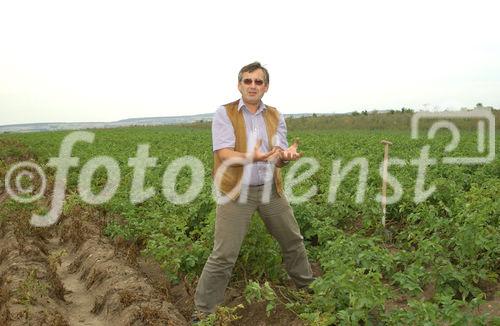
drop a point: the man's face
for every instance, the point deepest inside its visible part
(250, 91)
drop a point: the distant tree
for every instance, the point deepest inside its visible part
(406, 110)
(315, 115)
(364, 112)
(392, 111)
(355, 113)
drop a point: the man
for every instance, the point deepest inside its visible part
(249, 147)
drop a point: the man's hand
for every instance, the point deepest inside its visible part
(291, 153)
(257, 155)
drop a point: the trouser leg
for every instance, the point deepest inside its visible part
(280, 222)
(231, 226)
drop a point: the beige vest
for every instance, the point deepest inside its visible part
(230, 183)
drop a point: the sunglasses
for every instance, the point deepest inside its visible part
(248, 81)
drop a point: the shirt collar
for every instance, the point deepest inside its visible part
(261, 108)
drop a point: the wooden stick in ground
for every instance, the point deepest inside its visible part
(384, 178)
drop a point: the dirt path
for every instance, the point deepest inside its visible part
(71, 274)
(79, 310)
(79, 301)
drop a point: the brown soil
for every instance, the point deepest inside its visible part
(72, 275)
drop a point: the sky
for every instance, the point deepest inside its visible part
(79, 61)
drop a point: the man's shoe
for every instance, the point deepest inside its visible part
(196, 317)
(195, 320)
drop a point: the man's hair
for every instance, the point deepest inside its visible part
(252, 67)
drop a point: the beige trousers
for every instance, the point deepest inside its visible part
(231, 226)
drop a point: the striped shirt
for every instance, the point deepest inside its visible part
(223, 136)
